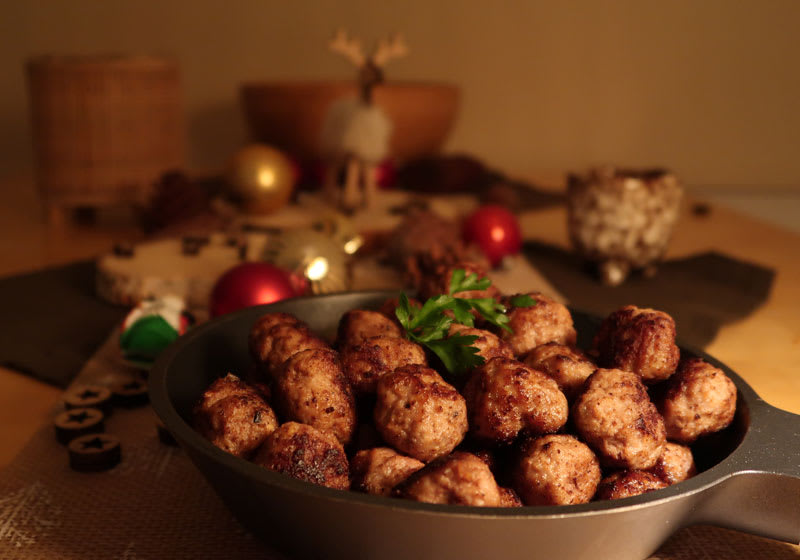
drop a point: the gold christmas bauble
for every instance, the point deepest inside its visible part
(313, 255)
(262, 177)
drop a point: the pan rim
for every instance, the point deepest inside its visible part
(187, 436)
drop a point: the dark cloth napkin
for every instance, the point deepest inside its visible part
(51, 322)
(702, 292)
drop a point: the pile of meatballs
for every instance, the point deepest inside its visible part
(539, 423)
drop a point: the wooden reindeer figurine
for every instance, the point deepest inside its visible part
(356, 132)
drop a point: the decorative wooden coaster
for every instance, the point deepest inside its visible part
(78, 422)
(94, 452)
(130, 393)
(89, 396)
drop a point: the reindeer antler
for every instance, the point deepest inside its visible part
(348, 47)
(393, 47)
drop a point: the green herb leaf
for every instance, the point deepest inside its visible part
(456, 279)
(460, 282)
(430, 312)
(403, 310)
(429, 325)
(491, 310)
(462, 311)
(457, 353)
(522, 300)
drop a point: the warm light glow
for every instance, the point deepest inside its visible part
(266, 178)
(268, 294)
(353, 245)
(317, 269)
(497, 234)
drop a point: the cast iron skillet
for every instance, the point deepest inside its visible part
(750, 479)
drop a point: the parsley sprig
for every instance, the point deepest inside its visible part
(428, 325)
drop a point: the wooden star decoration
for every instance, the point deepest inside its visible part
(94, 443)
(88, 394)
(78, 417)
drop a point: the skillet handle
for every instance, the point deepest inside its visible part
(762, 496)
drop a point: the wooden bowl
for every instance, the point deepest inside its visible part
(289, 115)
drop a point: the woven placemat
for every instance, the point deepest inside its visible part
(155, 504)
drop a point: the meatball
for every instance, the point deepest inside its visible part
(615, 417)
(638, 340)
(234, 417)
(225, 387)
(624, 484)
(288, 340)
(676, 464)
(568, 367)
(505, 396)
(457, 479)
(546, 321)
(259, 342)
(509, 498)
(358, 325)
(438, 282)
(378, 470)
(700, 399)
(488, 456)
(365, 363)
(556, 470)
(310, 387)
(488, 344)
(303, 452)
(418, 413)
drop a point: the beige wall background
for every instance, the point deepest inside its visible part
(709, 88)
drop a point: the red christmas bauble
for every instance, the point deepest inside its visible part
(251, 283)
(495, 230)
(385, 174)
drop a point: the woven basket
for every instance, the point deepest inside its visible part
(104, 128)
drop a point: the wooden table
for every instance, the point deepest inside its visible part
(764, 348)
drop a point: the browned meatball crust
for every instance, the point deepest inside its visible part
(311, 388)
(638, 340)
(547, 321)
(567, 366)
(259, 341)
(288, 340)
(556, 470)
(418, 413)
(234, 417)
(303, 452)
(700, 399)
(488, 344)
(615, 417)
(505, 397)
(509, 498)
(457, 479)
(624, 484)
(358, 325)
(676, 464)
(225, 387)
(365, 363)
(378, 470)
(488, 456)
